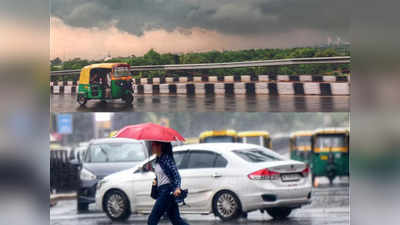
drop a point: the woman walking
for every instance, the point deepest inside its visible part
(168, 181)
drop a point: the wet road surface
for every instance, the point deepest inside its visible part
(183, 103)
(330, 205)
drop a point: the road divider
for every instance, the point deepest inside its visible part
(241, 88)
(231, 85)
(242, 78)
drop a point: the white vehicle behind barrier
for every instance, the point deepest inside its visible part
(227, 179)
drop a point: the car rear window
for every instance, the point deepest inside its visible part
(256, 155)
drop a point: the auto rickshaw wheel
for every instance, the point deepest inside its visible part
(82, 99)
(331, 177)
(128, 98)
(331, 180)
(313, 180)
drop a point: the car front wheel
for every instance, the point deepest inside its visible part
(279, 213)
(227, 206)
(116, 205)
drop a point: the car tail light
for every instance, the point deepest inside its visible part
(263, 174)
(305, 172)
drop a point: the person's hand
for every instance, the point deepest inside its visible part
(154, 182)
(177, 192)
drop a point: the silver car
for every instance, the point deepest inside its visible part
(227, 179)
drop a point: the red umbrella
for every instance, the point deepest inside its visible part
(150, 132)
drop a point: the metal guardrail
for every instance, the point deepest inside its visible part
(261, 63)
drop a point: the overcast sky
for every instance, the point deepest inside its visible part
(93, 28)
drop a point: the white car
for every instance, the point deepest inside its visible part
(227, 179)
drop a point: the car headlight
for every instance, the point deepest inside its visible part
(87, 175)
(100, 183)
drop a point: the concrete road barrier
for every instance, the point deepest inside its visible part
(238, 85)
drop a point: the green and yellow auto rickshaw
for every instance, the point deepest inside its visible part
(192, 140)
(105, 81)
(300, 146)
(255, 137)
(217, 136)
(330, 153)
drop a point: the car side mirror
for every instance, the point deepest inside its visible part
(138, 170)
(76, 162)
(147, 168)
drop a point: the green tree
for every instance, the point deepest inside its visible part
(56, 61)
(76, 63)
(152, 57)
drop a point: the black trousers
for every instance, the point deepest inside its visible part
(165, 203)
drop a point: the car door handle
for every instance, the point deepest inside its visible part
(215, 175)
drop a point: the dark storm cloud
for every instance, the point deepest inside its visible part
(238, 17)
(22, 10)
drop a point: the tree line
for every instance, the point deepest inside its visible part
(152, 57)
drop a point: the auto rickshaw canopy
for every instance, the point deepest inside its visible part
(301, 133)
(331, 131)
(84, 77)
(213, 133)
(191, 140)
(253, 134)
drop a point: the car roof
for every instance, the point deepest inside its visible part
(217, 147)
(114, 140)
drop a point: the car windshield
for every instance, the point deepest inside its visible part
(218, 139)
(328, 141)
(80, 151)
(116, 152)
(303, 141)
(122, 71)
(256, 155)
